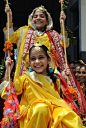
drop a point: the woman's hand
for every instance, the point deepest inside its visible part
(8, 63)
(65, 73)
(7, 9)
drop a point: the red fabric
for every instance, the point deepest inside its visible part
(67, 95)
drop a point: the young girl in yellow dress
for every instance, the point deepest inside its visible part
(41, 105)
(39, 29)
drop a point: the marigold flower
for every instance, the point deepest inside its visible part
(11, 48)
(73, 92)
(60, 1)
(8, 46)
(5, 50)
(11, 54)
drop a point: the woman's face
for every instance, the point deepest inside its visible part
(82, 74)
(77, 72)
(39, 19)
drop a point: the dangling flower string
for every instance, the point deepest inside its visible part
(60, 1)
(73, 92)
(8, 46)
(82, 89)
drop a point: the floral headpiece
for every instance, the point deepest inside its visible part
(31, 24)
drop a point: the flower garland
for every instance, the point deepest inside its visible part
(74, 95)
(83, 90)
(73, 92)
(11, 109)
(8, 46)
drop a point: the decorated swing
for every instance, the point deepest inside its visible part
(11, 105)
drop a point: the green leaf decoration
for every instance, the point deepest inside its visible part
(76, 101)
(84, 122)
(8, 3)
(65, 4)
(73, 40)
(2, 68)
(82, 116)
(2, 62)
(66, 1)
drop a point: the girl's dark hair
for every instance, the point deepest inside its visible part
(82, 65)
(45, 49)
(43, 12)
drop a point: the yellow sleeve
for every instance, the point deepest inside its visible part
(3, 86)
(14, 36)
(62, 44)
(66, 42)
(20, 83)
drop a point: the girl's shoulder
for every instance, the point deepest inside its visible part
(23, 27)
(54, 33)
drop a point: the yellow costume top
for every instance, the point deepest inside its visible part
(41, 105)
(19, 37)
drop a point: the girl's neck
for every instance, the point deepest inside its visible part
(36, 33)
(42, 29)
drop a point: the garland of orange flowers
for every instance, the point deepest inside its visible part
(8, 46)
(73, 92)
(82, 88)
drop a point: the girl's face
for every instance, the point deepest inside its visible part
(77, 72)
(39, 61)
(82, 74)
(39, 19)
